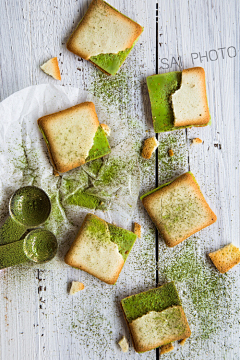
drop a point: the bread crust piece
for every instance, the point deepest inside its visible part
(76, 286)
(51, 68)
(103, 30)
(190, 106)
(226, 258)
(179, 209)
(137, 230)
(149, 146)
(99, 258)
(123, 343)
(69, 135)
(106, 129)
(167, 348)
(147, 334)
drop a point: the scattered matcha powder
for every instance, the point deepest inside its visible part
(208, 289)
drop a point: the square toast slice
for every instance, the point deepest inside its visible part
(178, 209)
(104, 36)
(155, 317)
(178, 99)
(73, 136)
(100, 249)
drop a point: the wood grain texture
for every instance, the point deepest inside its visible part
(187, 32)
(53, 324)
(38, 319)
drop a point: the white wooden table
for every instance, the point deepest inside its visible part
(38, 319)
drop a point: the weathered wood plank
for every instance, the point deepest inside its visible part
(89, 324)
(15, 54)
(188, 32)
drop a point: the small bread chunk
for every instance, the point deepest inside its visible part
(178, 209)
(137, 230)
(123, 343)
(182, 342)
(106, 129)
(55, 173)
(150, 145)
(226, 258)
(51, 68)
(166, 348)
(76, 286)
(196, 141)
(103, 30)
(69, 135)
(189, 103)
(170, 152)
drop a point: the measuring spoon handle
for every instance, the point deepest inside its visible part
(11, 231)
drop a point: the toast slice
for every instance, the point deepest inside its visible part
(73, 136)
(177, 93)
(155, 317)
(178, 209)
(51, 68)
(189, 103)
(104, 36)
(100, 249)
(226, 258)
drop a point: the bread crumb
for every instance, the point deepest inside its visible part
(225, 258)
(55, 172)
(166, 348)
(123, 343)
(182, 342)
(170, 152)
(196, 141)
(137, 229)
(51, 68)
(76, 286)
(106, 129)
(149, 146)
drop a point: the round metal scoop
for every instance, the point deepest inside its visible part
(40, 245)
(30, 206)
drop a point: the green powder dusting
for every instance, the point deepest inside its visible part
(92, 168)
(111, 90)
(172, 166)
(57, 216)
(97, 228)
(208, 289)
(115, 171)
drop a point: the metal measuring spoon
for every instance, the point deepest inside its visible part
(29, 207)
(40, 245)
